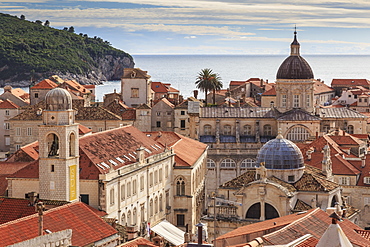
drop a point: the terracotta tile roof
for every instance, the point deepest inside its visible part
(315, 223)
(89, 86)
(20, 93)
(266, 226)
(83, 113)
(139, 73)
(12, 209)
(270, 92)
(120, 142)
(83, 129)
(343, 112)
(320, 87)
(310, 182)
(241, 180)
(138, 242)
(6, 169)
(29, 171)
(350, 82)
(237, 83)
(301, 206)
(364, 233)
(74, 85)
(173, 90)
(26, 153)
(86, 226)
(181, 146)
(8, 104)
(45, 84)
(129, 114)
(159, 87)
(310, 242)
(164, 100)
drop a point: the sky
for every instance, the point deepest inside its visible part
(258, 27)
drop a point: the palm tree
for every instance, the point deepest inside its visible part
(207, 81)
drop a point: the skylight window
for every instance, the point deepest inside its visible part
(113, 162)
(148, 151)
(120, 160)
(126, 157)
(105, 165)
(100, 166)
(154, 147)
(132, 156)
(158, 146)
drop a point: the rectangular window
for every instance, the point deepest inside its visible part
(17, 147)
(111, 196)
(182, 124)
(166, 171)
(7, 126)
(296, 100)
(36, 95)
(52, 168)
(134, 93)
(7, 113)
(344, 181)
(141, 183)
(52, 185)
(100, 129)
(158, 124)
(169, 113)
(155, 177)
(158, 113)
(160, 175)
(17, 131)
(283, 100)
(85, 198)
(128, 189)
(29, 131)
(182, 113)
(367, 180)
(180, 220)
(367, 200)
(308, 102)
(7, 141)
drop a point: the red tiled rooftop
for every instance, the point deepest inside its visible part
(13, 208)
(140, 241)
(237, 83)
(347, 82)
(87, 227)
(45, 84)
(159, 87)
(271, 92)
(8, 104)
(83, 129)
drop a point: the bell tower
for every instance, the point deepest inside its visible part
(58, 149)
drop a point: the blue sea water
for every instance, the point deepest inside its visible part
(181, 70)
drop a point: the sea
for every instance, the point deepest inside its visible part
(181, 70)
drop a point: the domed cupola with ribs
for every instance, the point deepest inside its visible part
(294, 66)
(294, 82)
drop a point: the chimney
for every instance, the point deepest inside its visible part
(309, 154)
(334, 218)
(40, 210)
(261, 83)
(195, 92)
(200, 233)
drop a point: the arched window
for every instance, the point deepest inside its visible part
(227, 129)
(207, 129)
(180, 186)
(350, 129)
(211, 164)
(298, 134)
(53, 145)
(156, 205)
(72, 145)
(254, 212)
(123, 192)
(247, 163)
(267, 130)
(160, 203)
(247, 130)
(228, 164)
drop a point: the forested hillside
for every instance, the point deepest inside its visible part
(33, 50)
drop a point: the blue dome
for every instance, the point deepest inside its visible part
(280, 153)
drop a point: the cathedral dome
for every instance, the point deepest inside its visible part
(280, 153)
(294, 66)
(58, 99)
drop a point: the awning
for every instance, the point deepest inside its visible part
(169, 232)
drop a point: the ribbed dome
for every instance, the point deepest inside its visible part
(58, 99)
(280, 153)
(294, 67)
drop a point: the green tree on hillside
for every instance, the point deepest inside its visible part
(208, 81)
(47, 23)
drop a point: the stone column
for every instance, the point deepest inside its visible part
(218, 131)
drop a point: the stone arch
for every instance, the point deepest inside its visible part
(298, 133)
(180, 186)
(72, 144)
(333, 201)
(123, 219)
(52, 140)
(254, 211)
(134, 217)
(228, 163)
